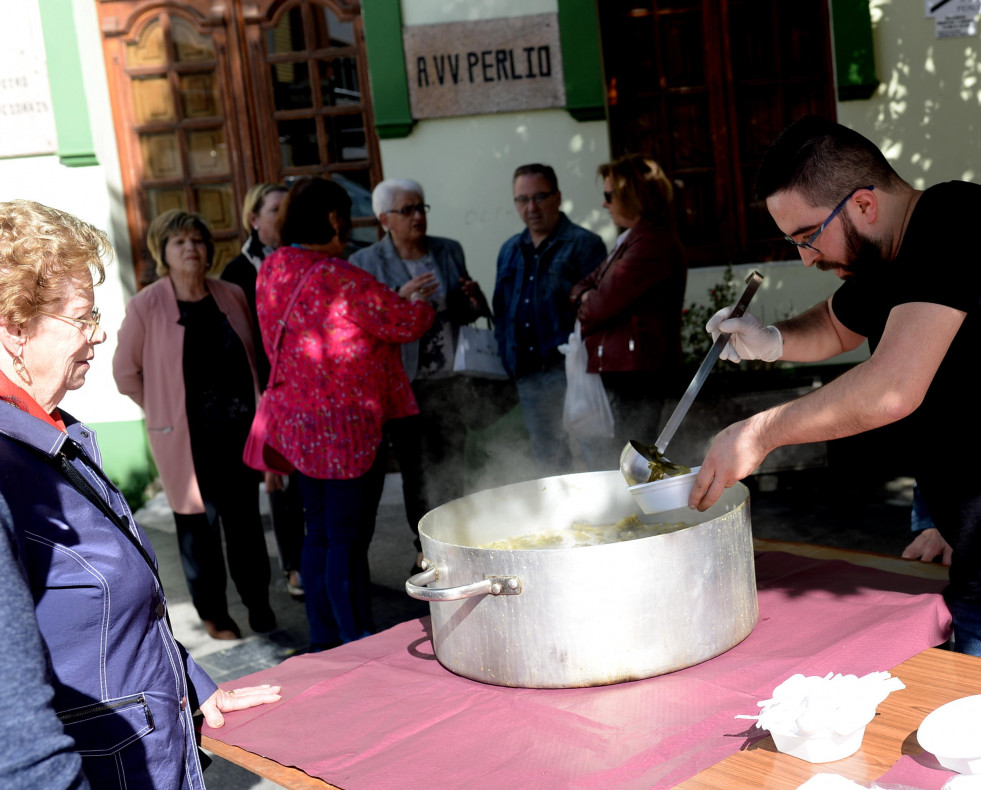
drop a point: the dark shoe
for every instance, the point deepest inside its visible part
(262, 621)
(224, 628)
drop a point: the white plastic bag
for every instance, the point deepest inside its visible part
(586, 411)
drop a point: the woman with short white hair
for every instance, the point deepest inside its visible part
(430, 447)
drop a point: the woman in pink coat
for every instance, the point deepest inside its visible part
(339, 379)
(185, 355)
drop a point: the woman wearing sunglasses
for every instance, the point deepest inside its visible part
(630, 306)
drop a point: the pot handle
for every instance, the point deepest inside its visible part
(492, 585)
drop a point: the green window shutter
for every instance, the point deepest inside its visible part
(582, 62)
(386, 63)
(854, 50)
(71, 112)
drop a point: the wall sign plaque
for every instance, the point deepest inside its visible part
(26, 117)
(488, 66)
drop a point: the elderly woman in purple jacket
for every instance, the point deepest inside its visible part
(121, 686)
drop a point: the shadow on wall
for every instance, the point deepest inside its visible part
(925, 114)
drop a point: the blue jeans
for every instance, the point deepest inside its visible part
(340, 521)
(967, 627)
(542, 395)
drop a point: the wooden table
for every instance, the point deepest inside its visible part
(932, 677)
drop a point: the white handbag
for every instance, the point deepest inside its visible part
(477, 354)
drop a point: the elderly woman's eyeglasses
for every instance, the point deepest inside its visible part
(89, 326)
(808, 243)
(408, 211)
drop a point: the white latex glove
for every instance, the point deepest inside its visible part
(750, 339)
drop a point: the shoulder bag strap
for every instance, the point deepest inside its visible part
(281, 324)
(61, 463)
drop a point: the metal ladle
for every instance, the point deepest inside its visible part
(636, 456)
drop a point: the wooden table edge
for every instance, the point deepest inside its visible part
(285, 776)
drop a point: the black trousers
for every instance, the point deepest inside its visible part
(231, 501)
(287, 518)
(430, 448)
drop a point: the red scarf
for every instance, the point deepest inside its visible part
(17, 396)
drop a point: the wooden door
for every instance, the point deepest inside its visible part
(703, 86)
(211, 97)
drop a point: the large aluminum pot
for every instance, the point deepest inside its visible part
(587, 616)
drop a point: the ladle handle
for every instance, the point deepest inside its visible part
(671, 426)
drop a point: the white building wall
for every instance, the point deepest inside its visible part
(93, 194)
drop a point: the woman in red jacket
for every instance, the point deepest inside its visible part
(630, 306)
(339, 378)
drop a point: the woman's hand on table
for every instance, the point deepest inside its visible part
(421, 287)
(928, 545)
(237, 699)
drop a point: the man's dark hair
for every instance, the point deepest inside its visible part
(544, 171)
(823, 161)
(304, 214)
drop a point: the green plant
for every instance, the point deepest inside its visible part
(136, 487)
(695, 341)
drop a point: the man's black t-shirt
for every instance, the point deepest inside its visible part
(939, 262)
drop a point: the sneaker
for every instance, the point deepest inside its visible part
(294, 584)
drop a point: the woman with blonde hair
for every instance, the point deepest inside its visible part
(185, 355)
(259, 211)
(82, 609)
(630, 306)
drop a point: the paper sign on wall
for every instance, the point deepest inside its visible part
(26, 118)
(954, 18)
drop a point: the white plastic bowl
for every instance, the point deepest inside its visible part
(817, 749)
(952, 734)
(667, 494)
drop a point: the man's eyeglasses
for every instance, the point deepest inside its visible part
(538, 198)
(92, 323)
(808, 243)
(408, 211)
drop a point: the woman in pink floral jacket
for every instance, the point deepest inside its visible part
(339, 378)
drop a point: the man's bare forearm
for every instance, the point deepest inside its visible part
(815, 335)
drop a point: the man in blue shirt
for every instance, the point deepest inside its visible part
(536, 269)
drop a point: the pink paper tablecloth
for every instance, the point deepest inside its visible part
(383, 713)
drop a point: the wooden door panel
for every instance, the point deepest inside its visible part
(209, 97)
(704, 86)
